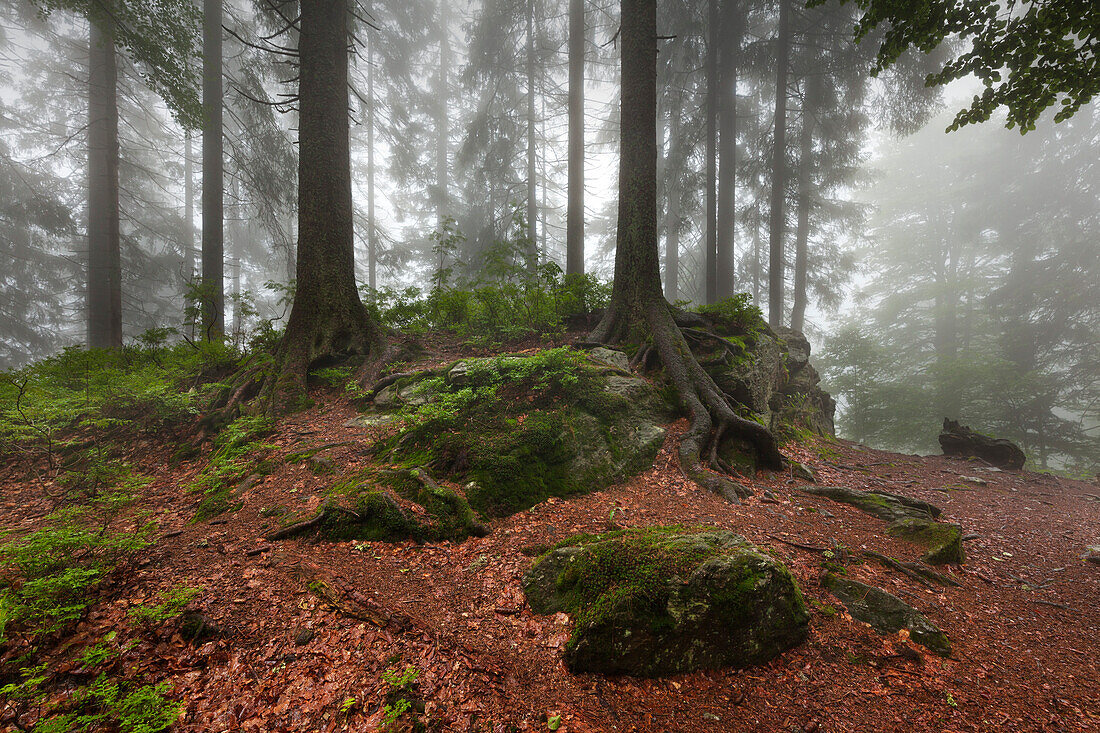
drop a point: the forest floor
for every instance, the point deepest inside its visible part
(1024, 625)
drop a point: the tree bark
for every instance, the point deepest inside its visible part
(213, 244)
(104, 294)
(713, 83)
(188, 210)
(729, 54)
(442, 123)
(574, 226)
(372, 233)
(672, 212)
(327, 318)
(638, 313)
(810, 105)
(532, 188)
(779, 171)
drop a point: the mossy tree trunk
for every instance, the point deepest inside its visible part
(638, 312)
(327, 318)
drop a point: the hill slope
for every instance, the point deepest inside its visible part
(304, 632)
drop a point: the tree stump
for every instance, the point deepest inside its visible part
(959, 440)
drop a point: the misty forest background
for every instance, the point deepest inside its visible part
(938, 274)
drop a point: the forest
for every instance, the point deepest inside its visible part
(568, 365)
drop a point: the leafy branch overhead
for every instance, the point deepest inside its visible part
(1029, 55)
(160, 36)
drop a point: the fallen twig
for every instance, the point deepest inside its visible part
(809, 548)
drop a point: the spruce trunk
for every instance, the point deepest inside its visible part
(104, 295)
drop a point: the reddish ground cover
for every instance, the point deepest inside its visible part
(1024, 625)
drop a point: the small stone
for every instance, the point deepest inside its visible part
(804, 472)
(610, 357)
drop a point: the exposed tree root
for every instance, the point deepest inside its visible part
(709, 408)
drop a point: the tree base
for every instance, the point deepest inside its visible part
(710, 409)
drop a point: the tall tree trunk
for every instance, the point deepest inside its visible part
(442, 124)
(729, 55)
(777, 221)
(756, 255)
(188, 209)
(672, 212)
(574, 225)
(532, 189)
(810, 104)
(372, 232)
(236, 245)
(213, 245)
(638, 313)
(713, 83)
(104, 294)
(327, 318)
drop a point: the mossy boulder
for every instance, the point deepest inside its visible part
(943, 540)
(767, 371)
(663, 601)
(519, 429)
(886, 613)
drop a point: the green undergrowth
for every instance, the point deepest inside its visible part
(497, 297)
(50, 576)
(513, 428)
(49, 579)
(734, 317)
(238, 452)
(142, 388)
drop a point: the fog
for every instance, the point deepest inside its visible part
(936, 274)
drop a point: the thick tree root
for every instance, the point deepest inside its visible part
(709, 410)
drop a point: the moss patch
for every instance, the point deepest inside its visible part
(665, 600)
(368, 512)
(943, 540)
(521, 429)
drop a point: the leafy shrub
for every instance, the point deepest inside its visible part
(172, 604)
(504, 298)
(734, 316)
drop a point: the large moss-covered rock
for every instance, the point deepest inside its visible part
(518, 429)
(767, 371)
(663, 601)
(886, 613)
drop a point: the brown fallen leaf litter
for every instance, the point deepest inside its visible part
(307, 629)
